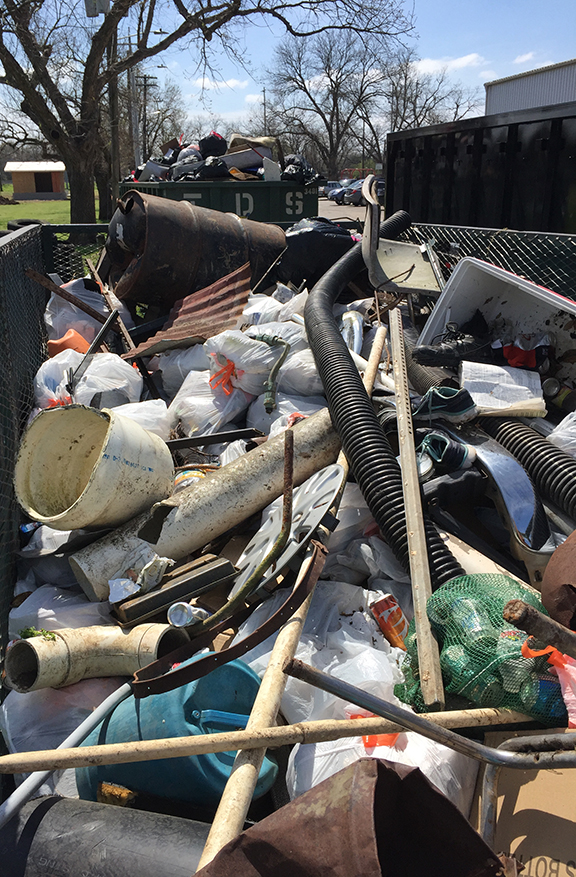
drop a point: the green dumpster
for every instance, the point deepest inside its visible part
(281, 202)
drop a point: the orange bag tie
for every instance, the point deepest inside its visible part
(223, 377)
(556, 658)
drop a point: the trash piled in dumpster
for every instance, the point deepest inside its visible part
(267, 514)
(213, 158)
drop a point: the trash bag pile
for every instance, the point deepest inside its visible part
(214, 158)
(184, 492)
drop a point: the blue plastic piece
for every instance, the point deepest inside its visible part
(220, 701)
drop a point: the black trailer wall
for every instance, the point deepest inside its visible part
(513, 170)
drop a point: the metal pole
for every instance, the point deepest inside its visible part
(413, 722)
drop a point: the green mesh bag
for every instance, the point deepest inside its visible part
(480, 653)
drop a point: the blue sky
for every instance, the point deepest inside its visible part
(476, 40)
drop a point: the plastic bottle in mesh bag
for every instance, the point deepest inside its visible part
(481, 657)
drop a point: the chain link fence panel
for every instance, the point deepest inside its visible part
(22, 351)
(543, 257)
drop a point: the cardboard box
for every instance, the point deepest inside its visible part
(536, 815)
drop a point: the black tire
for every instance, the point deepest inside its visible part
(15, 224)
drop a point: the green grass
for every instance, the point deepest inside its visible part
(56, 212)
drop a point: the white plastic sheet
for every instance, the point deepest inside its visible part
(564, 435)
(53, 608)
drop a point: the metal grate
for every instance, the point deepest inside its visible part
(543, 257)
(22, 350)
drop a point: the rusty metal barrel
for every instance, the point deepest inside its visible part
(162, 250)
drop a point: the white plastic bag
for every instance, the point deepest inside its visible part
(203, 410)
(51, 379)
(342, 638)
(294, 306)
(353, 516)
(60, 315)
(107, 371)
(260, 309)
(453, 774)
(291, 332)
(564, 435)
(176, 365)
(43, 719)
(240, 361)
(153, 415)
(53, 609)
(299, 375)
(257, 418)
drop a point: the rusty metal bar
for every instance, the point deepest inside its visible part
(542, 628)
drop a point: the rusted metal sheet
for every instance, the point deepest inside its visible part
(162, 250)
(373, 819)
(200, 315)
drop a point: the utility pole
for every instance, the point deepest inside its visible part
(147, 82)
(114, 128)
(133, 111)
(265, 120)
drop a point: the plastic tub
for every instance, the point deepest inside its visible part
(498, 294)
(81, 467)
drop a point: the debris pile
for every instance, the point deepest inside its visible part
(279, 474)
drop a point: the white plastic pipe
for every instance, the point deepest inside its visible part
(80, 467)
(67, 656)
(210, 507)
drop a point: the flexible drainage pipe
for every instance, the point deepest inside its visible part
(364, 443)
(67, 656)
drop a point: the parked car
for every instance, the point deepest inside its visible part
(353, 195)
(337, 195)
(331, 184)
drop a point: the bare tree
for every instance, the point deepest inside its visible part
(417, 99)
(61, 66)
(337, 96)
(319, 86)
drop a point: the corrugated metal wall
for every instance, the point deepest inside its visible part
(553, 85)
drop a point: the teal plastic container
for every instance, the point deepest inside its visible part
(220, 701)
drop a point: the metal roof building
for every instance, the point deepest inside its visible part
(546, 86)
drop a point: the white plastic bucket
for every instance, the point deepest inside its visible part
(81, 467)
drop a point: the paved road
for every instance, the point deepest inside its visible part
(334, 212)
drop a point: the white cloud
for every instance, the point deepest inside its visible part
(487, 75)
(434, 65)
(215, 85)
(253, 98)
(521, 59)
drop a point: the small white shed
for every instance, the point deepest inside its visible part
(37, 180)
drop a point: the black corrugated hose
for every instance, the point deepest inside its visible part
(550, 468)
(370, 455)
